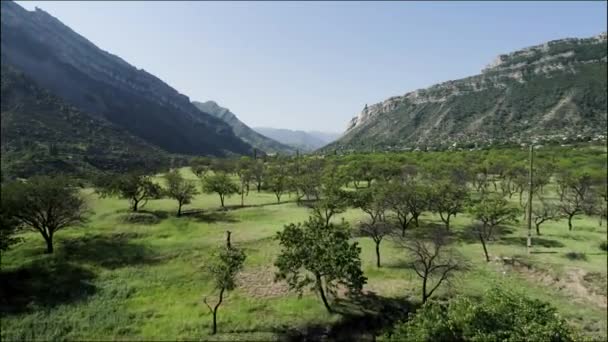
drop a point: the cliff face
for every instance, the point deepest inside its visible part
(557, 88)
(243, 131)
(61, 60)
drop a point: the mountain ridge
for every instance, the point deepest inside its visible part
(563, 75)
(241, 130)
(98, 82)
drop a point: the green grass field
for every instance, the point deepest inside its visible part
(111, 280)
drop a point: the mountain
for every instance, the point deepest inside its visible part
(42, 134)
(97, 82)
(243, 131)
(554, 91)
(304, 141)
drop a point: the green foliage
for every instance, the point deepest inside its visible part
(9, 224)
(180, 189)
(221, 184)
(136, 187)
(223, 266)
(45, 205)
(500, 315)
(321, 256)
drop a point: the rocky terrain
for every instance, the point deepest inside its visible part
(555, 91)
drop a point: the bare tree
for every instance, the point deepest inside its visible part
(432, 260)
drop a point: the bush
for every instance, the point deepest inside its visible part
(576, 256)
(140, 218)
(604, 246)
(499, 316)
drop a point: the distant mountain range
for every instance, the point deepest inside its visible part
(305, 141)
(66, 64)
(551, 92)
(255, 139)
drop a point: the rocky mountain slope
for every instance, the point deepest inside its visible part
(243, 131)
(42, 134)
(554, 91)
(70, 66)
(302, 140)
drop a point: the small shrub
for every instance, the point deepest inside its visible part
(140, 218)
(576, 256)
(604, 246)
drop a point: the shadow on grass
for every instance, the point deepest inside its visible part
(44, 283)
(113, 251)
(469, 234)
(536, 241)
(211, 216)
(363, 318)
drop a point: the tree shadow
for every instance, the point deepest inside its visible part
(363, 318)
(536, 241)
(212, 217)
(469, 235)
(44, 283)
(111, 252)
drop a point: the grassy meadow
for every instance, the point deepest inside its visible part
(115, 280)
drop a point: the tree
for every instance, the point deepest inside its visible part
(544, 211)
(372, 201)
(447, 199)
(432, 260)
(136, 187)
(491, 211)
(200, 166)
(376, 231)
(498, 315)
(334, 201)
(244, 172)
(223, 266)
(258, 171)
(576, 196)
(398, 203)
(320, 256)
(417, 200)
(277, 180)
(180, 189)
(45, 204)
(221, 184)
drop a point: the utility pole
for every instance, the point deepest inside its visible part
(529, 244)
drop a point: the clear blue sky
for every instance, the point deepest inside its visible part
(314, 65)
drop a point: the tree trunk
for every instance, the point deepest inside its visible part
(424, 296)
(537, 228)
(134, 208)
(322, 293)
(485, 250)
(217, 306)
(570, 222)
(222, 200)
(242, 197)
(416, 220)
(278, 198)
(378, 254)
(49, 244)
(179, 209)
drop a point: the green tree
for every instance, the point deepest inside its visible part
(223, 266)
(491, 211)
(180, 189)
(136, 187)
(221, 184)
(499, 315)
(45, 204)
(447, 199)
(320, 256)
(277, 180)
